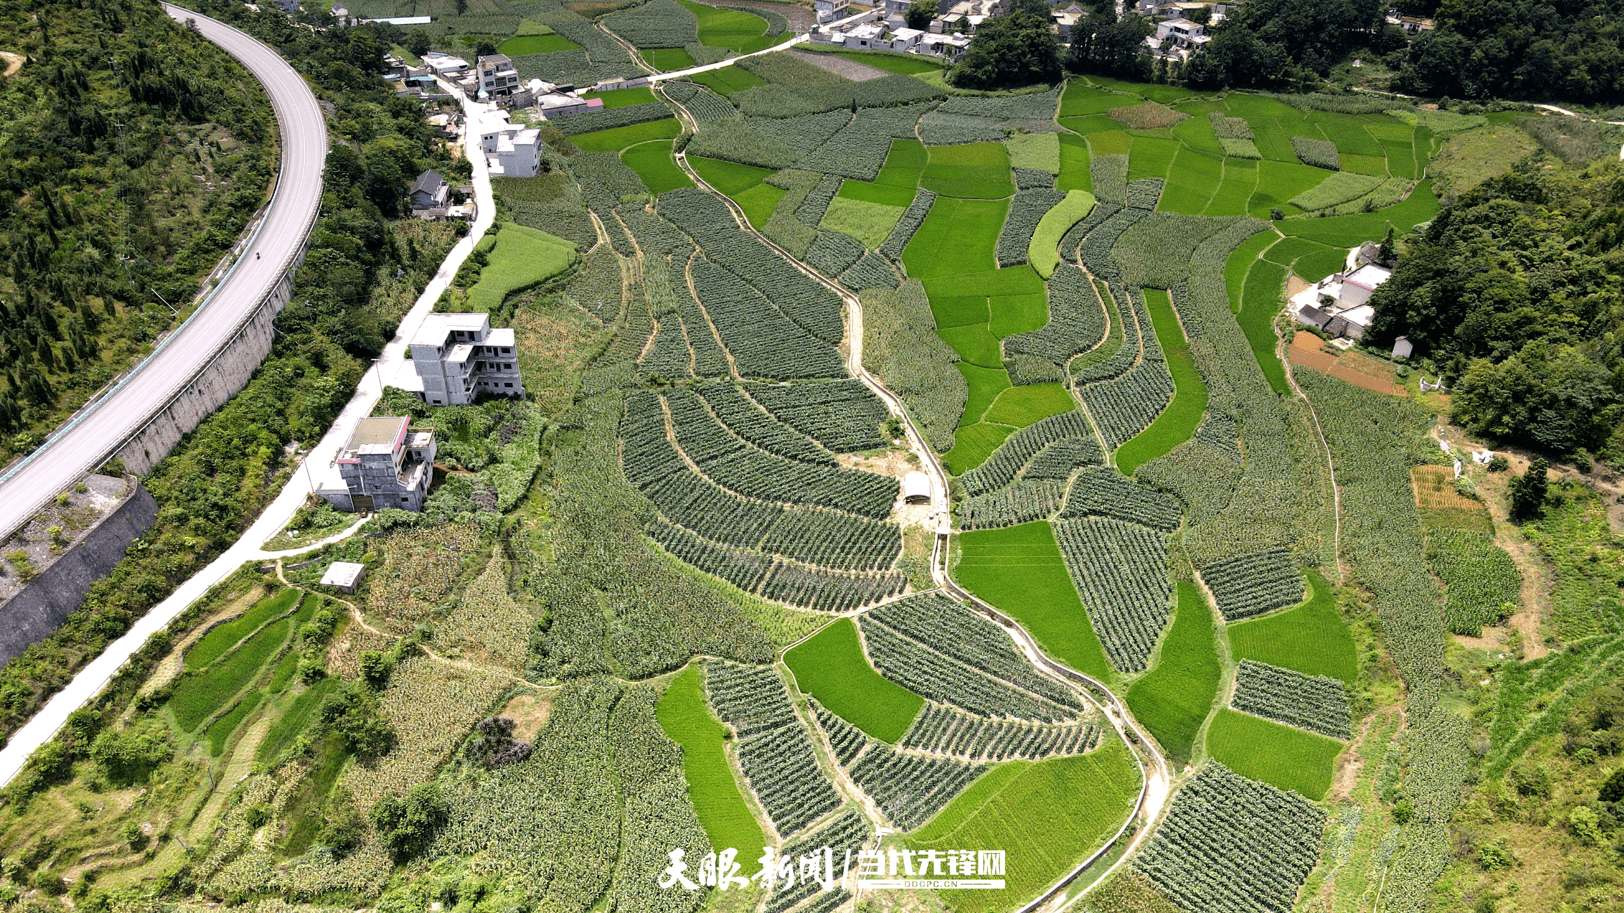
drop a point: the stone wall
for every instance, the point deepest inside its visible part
(219, 380)
(35, 611)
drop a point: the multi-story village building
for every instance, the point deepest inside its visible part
(458, 356)
(386, 463)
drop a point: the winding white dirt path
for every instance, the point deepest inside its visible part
(1155, 772)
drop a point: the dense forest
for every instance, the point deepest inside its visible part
(1513, 291)
(362, 272)
(132, 156)
(1570, 50)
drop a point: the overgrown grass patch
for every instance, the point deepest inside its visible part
(1037, 151)
(868, 222)
(831, 667)
(1043, 252)
(1019, 569)
(1173, 700)
(522, 258)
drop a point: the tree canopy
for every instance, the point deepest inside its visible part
(1513, 291)
(1016, 49)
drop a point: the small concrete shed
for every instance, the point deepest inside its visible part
(343, 576)
(916, 488)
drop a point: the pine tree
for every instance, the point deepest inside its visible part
(1528, 492)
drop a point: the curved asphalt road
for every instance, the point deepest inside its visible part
(96, 431)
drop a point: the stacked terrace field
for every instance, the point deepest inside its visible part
(669, 34)
(1233, 155)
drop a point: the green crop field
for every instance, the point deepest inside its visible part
(723, 812)
(977, 171)
(969, 228)
(1019, 570)
(535, 44)
(653, 163)
(758, 202)
(734, 30)
(974, 442)
(1046, 817)
(1311, 638)
(831, 667)
(1261, 300)
(1277, 754)
(728, 80)
(624, 98)
(667, 60)
(221, 729)
(868, 222)
(522, 257)
(1074, 165)
(880, 194)
(1192, 180)
(1233, 197)
(730, 178)
(1241, 261)
(1179, 420)
(1080, 98)
(1021, 406)
(617, 138)
(223, 637)
(904, 163)
(1173, 700)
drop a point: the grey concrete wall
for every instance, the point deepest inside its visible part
(217, 382)
(35, 611)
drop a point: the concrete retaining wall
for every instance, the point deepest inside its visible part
(219, 380)
(48, 599)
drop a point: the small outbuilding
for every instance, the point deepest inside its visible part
(916, 488)
(343, 576)
(1402, 347)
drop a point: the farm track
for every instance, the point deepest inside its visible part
(1155, 772)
